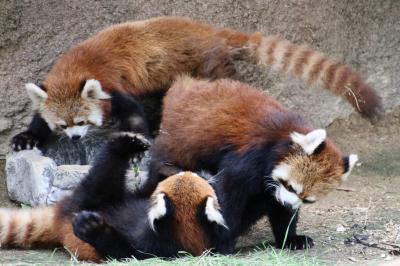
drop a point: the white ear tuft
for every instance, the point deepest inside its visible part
(353, 158)
(93, 91)
(36, 94)
(310, 141)
(157, 210)
(213, 214)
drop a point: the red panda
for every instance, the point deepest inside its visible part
(101, 219)
(119, 70)
(267, 159)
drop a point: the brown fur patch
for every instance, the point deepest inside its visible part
(319, 173)
(142, 57)
(187, 191)
(227, 112)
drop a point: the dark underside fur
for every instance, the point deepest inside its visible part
(109, 217)
(115, 221)
(240, 185)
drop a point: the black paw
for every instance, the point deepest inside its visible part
(130, 143)
(88, 225)
(298, 242)
(24, 141)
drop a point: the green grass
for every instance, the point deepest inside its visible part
(258, 256)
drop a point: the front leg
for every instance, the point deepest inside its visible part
(37, 133)
(105, 182)
(129, 112)
(93, 229)
(232, 200)
(285, 235)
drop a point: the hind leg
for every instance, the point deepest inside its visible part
(93, 229)
(217, 64)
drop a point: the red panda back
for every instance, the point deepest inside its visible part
(210, 115)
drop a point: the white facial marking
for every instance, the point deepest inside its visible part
(181, 173)
(96, 117)
(310, 141)
(311, 198)
(79, 119)
(61, 123)
(353, 158)
(286, 197)
(281, 171)
(77, 131)
(93, 91)
(213, 214)
(35, 93)
(297, 187)
(158, 210)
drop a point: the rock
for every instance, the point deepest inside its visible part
(340, 228)
(364, 34)
(35, 179)
(29, 177)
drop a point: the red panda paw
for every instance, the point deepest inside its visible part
(298, 242)
(87, 225)
(130, 143)
(24, 141)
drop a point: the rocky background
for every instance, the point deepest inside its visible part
(364, 34)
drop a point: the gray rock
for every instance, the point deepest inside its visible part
(364, 34)
(35, 179)
(29, 177)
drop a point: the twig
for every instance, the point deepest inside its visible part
(346, 189)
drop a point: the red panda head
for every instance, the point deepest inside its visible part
(68, 109)
(191, 206)
(312, 168)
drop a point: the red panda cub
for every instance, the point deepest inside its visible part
(266, 159)
(123, 72)
(101, 219)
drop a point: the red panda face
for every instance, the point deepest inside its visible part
(185, 197)
(312, 169)
(71, 114)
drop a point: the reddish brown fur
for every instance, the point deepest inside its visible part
(42, 227)
(226, 111)
(230, 113)
(141, 57)
(187, 191)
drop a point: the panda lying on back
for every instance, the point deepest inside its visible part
(101, 219)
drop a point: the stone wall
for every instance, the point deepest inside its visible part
(365, 34)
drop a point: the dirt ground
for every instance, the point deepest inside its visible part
(359, 224)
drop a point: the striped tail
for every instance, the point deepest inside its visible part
(28, 228)
(307, 64)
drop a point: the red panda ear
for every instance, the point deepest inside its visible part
(160, 208)
(35, 93)
(310, 141)
(93, 91)
(213, 213)
(348, 164)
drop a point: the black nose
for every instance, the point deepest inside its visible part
(75, 137)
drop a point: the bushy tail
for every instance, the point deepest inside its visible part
(307, 64)
(28, 228)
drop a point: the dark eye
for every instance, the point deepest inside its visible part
(63, 126)
(80, 123)
(291, 189)
(306, 201)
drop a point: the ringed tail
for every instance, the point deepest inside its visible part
(26, 228)
(307, 64)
